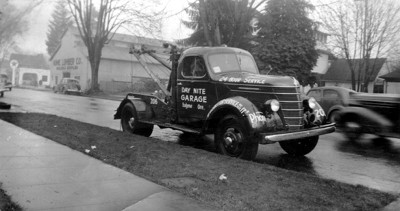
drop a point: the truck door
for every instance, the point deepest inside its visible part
(195, 93)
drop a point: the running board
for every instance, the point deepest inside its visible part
(173, 126)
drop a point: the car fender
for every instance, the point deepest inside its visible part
(366, 114)
(254, 119)
(334, 108)
(141, 107)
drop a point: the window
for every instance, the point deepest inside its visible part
(44, 78)
(66, 74)
(315, 94)
(331, 94)
(229, 62)
(193, 67)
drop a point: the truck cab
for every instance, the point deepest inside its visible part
(219, 90)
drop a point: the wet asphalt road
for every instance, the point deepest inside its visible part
(371, 162)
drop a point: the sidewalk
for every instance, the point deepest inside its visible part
(40, 174)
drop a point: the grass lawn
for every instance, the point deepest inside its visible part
(5, 202)
(196, 172)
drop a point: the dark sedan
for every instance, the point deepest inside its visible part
(332, 99)
(68, 86)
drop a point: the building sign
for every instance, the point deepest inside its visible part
(67, 64)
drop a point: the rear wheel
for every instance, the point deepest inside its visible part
(231, 139)
(300, 147)
(130, 122)
(1, 94)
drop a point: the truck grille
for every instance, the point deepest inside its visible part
(291, 106)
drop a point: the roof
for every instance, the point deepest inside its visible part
(340, 70)
(207, 50)
(392, 77)
(30, 61)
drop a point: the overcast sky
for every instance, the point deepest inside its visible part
(33, 41)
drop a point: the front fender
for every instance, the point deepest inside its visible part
(138, 103)
(255, 120)
(368, 117)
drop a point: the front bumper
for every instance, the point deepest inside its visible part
(267, 138)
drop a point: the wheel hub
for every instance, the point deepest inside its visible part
(131, 122)
(232, 138)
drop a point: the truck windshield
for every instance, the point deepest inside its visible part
(229, 62)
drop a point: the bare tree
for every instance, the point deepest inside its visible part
(13, 22)
(111, 16)
(362, 29)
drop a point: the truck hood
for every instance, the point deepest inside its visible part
(256, 79)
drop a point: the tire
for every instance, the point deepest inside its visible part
(231, 139)
(130, 122)
(299, 147)
(1, 94)
(351, 127)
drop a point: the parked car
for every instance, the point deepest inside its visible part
(332, 99)
(5, 85)
(68, 86)
(371, 113)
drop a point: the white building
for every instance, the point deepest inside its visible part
(29, 70)
(118, 71)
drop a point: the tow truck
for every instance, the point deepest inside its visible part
(220, 91)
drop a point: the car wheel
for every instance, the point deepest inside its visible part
(130, 122)
(1, 94)
(352, 130)
(351, 127)
(231, 139)
(299, 147)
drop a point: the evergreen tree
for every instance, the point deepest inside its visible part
(60, 21)
(227, 22)
(286, 43)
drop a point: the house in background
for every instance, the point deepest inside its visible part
(324, 58)
(392, 82)
(339, 74)
(28, 70)
(118, 71)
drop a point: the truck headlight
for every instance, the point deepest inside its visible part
(312, 103)
(272, 105)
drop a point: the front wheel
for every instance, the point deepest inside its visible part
(130, 122)
(351, 127)
(231, 139)
(300, 147)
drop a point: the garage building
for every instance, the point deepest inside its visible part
(118, 71)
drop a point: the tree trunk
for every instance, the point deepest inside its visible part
(94, 65)
(202, 11)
